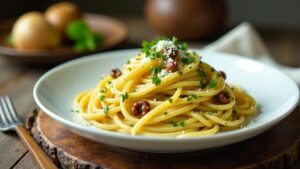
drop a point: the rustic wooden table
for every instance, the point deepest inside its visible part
(18, 81)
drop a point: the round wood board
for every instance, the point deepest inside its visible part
(113, 31)
(275, 148)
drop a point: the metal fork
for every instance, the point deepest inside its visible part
(9, 120)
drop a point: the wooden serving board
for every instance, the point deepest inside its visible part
(275, 148)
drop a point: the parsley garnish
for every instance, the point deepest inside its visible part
(102, 97)
(174, 40)
(202, 73)
(151, 52)
(103, 90)
(187, 60)
(106, 109)
(183, 46)
(212, 84)
(213, 69)
(170, 100)
(191, 97)
(180, 73)
(173, 123)
(124, 96)
(165, 113)
(155, 70)
(128, 62)
(149, 47)
(155, 80)
(181, 123)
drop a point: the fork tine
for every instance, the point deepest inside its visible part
(12, 109)
(6, 111)
(3, 118)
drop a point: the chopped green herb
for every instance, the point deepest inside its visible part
(128, 62)
(210, 113)
(202, 73)
(155, 70)
(106, 109)
(174, 40)
(124, 96)
(103, 90)
(187, 60)
(212, 84)
(149, 47)
(129, 69)
(102, 97)
(165, 113)
(183, 46)
(181, 123)
(131, 125)
(72, 110)
(194, 53)
(155, 80)
(173, 123)
(180, 73)
(213, 69)
(191, 97)
(109, 82)
(170, 100)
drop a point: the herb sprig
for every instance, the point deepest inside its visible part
(84, 39)
(156, 80)
(124, 96)
(212, 84)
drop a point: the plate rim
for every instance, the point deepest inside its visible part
(224, 135)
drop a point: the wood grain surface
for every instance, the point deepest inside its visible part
(17, 81)
(276, 148)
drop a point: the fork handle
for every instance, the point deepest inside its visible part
(41, 158)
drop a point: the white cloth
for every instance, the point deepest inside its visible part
(245, 41)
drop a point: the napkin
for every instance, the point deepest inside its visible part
(244, 40)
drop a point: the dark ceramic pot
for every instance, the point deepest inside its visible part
(186, 19)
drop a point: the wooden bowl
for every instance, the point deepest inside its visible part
(113, 30)
(187, 19)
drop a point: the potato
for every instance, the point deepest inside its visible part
(32, 32)
(61, 14)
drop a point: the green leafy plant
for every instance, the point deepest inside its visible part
(84, 39)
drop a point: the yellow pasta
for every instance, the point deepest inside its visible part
(166, 91)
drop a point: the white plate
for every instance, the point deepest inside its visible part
(276, 94)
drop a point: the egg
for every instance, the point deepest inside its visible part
(32, 32)
(61, 14)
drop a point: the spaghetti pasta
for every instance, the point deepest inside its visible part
(166, 91)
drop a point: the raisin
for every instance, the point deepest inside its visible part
(115, 73)
(223, 97)
(172, 66)
(140, 108)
